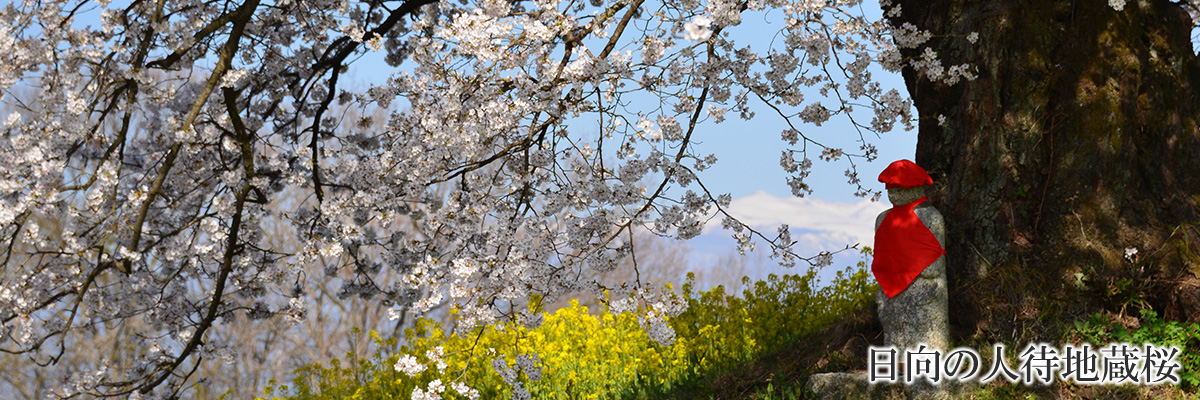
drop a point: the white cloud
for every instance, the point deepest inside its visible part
(815, 224)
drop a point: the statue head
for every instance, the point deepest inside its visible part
(900, 196)
(905, 181)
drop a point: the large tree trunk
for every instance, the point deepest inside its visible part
(1077, 141)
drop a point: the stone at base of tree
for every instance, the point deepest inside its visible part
(851, 386)
(855, 386)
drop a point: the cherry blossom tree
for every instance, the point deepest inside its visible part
(524, 143)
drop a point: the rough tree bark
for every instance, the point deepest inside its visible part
(1079, 140)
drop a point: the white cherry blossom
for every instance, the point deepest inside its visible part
(156, 161)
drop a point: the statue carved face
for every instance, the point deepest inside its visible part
(900, 196)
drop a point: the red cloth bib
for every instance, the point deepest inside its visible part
(903, 248)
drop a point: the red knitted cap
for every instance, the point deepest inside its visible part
(905, 174)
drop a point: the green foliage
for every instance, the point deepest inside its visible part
(722, 330)
(1101, 330)
(587, 356)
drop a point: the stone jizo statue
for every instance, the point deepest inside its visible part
(910, 263)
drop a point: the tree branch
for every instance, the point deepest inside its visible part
(225, 62)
